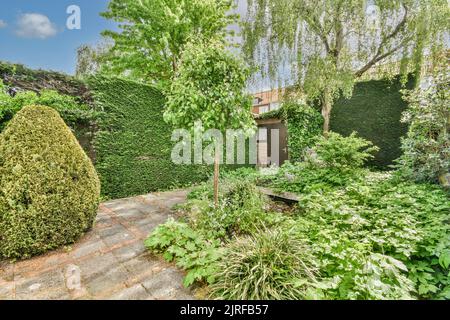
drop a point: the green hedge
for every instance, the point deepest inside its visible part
(49, 190)
(133, 144)
(374, 111)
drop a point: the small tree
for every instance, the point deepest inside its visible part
(209, 87)
(154, 32)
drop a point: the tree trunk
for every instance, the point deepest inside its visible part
(326, 112)
(216, 179)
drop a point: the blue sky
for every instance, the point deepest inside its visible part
(28, 37)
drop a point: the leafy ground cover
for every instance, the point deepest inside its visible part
(355, 234)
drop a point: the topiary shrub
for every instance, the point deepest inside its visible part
(49, 190)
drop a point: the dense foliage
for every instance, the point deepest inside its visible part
(133, 143)
(426, 147)
(336, 151)
(317, 40)
(49, 190)
(209, 87)
(153, 34)
(331, 163)
(71, 110)
(24, 78)
(374, 237)
(379, 239)
(240, 212)
(190, 249)
(354, 234)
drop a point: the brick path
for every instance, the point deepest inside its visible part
(109, 262)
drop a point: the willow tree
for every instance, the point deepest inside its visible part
(330, 44)
(152, 34)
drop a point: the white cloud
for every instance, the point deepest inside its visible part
(3, 24)
(35, 25)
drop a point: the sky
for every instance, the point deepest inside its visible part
(34, 32)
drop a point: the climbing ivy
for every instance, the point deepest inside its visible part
(133, 144)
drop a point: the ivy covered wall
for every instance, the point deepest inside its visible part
(374, 112)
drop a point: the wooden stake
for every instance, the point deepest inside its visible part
(216, 178)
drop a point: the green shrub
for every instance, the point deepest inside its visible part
(240, 210)
(49, 190)
(71, 110)
(190, 250)
(331, 163)
(302, 178)
(426, 147)
(270, 265)
(336, 151)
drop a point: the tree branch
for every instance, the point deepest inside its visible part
(379, 55)
(314, 23)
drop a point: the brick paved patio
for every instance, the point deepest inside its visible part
(109, 262)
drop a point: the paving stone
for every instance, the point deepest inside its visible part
(165, 283)
(115, 235)
(149, 197)
(98, 264)
(102, 283)
(170, 203)
(130, 251)
(129, 213)
(6, 272)
(59, 294)
(88, 248)
(103, 220)
(48, 285)
(116, 204)
(147, 225)
(136, 292)
(6, 290)
(41, 263)
(108, 262)
(142, 268)
(147, 208)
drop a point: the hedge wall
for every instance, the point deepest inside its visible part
(133, 144)
(374, 111)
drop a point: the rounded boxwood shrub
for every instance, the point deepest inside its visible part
(49, 190)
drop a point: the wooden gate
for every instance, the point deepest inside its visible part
(271, 131)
